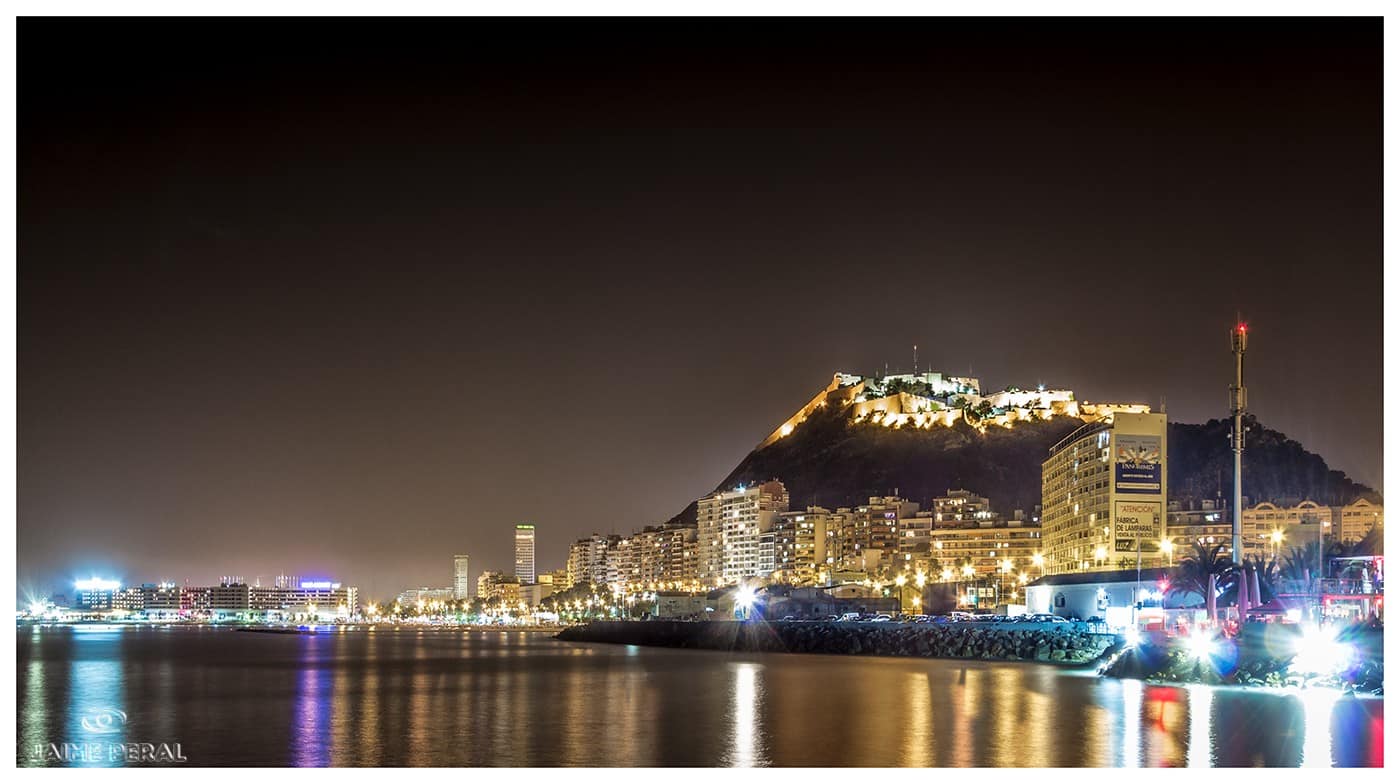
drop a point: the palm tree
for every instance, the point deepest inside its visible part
(1304, 560)
(1269, 573)
(1192, 574)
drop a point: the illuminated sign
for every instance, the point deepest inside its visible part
(1137, 524)
(318, 585)
(95, 584)
(1137, 467)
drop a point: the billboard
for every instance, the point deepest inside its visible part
(1137, 524)
(1137, 464)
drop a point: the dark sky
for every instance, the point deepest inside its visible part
(347, 298)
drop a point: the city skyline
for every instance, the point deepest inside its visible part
(264, 346)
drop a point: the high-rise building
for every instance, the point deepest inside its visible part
(461, 577)
(729, 528)
(873, 532)
(1104, 493)
(525, 553)
(800, 544)
(587, 562)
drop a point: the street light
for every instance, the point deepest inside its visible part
(900, 580)
(968, 572)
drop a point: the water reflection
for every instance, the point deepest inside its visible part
(1317, 721)
(1198, 719)
(918, 739)
(1132, 725)
(311, 730)
(744, 740)
(417, 697)
(96, 711)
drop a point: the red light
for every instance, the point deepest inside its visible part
(1242, 328)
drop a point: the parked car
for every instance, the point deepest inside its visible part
(881, 618)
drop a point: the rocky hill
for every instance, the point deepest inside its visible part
(831, 460)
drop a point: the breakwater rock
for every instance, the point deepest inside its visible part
(953, 641)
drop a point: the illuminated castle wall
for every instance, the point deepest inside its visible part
(927, 400)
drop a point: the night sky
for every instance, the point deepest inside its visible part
(343, 299)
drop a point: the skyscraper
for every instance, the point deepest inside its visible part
(461, 582)
(525, 553)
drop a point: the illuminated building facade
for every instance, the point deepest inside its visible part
(1104, 493)
(95, 594)
(800, 544)
(587, 562)
(461, 577)
(1005, 549)
(729, 528)
(1357, 518)
(525, 553)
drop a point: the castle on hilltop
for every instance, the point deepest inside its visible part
(926, 400)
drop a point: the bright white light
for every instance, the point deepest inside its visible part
(94, 584)
(1318, 651)
(744, 599)
(1201, 645)
(1132, 636)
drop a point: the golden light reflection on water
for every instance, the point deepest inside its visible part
(743, 741)
(918, 744)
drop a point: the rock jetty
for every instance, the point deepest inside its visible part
(952, 641)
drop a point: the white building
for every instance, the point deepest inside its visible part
(525, 553)
(730, 525)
